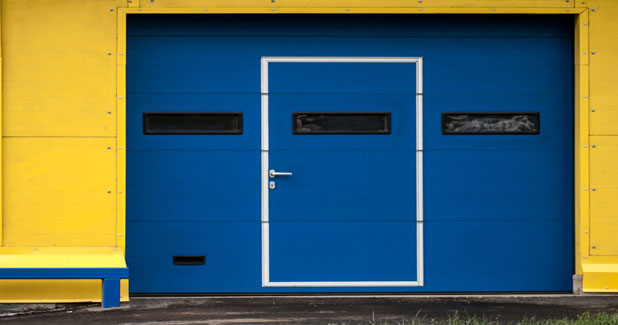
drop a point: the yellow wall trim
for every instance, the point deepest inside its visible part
(352, 10)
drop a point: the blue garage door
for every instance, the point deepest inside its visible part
(364, 153)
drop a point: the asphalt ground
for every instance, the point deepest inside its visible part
(314, 309)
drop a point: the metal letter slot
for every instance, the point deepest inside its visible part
(189, 260)
(272, 173)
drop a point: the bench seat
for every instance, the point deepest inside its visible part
(63, 264)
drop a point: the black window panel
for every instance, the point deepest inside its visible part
(192, 123)
(189, 260)
(490, 123)
(341, 123)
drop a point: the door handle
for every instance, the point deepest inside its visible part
(273, 173)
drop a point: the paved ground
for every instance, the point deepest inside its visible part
(317, 309)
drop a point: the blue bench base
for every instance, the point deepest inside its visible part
(111, 292)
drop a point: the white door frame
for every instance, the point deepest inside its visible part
(419, 173)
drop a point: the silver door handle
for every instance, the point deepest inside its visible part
(272, 173)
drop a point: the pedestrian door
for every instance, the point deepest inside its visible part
(341, 166)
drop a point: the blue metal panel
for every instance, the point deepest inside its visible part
(206, 186)
(498, 208)
(341, 78)
(351, 250)
(339, 186)
(232, 251)
(523, 186)
(481, 255)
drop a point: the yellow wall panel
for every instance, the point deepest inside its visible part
(354, 3)
(604, 205)
(32, 115)
(56, 192)
(603, 196)
(59, 67)
(604, 119)
(604, 236)
(604, 153)
(1, 112)
(604, 67)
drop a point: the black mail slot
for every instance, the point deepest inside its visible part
(189, 260)
(192, 123)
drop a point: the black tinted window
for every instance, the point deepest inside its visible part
(192, 123)
(341, 123)
(490, 123)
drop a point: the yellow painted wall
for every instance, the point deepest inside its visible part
(604, 67)
(604, 196)
(59, 79)
(604, 127)
(356, 3)
(59, 136)
(59, 89)
(56, 192)
(62, 125)
(600, 262)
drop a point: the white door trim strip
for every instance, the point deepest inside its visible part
(419, 173)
